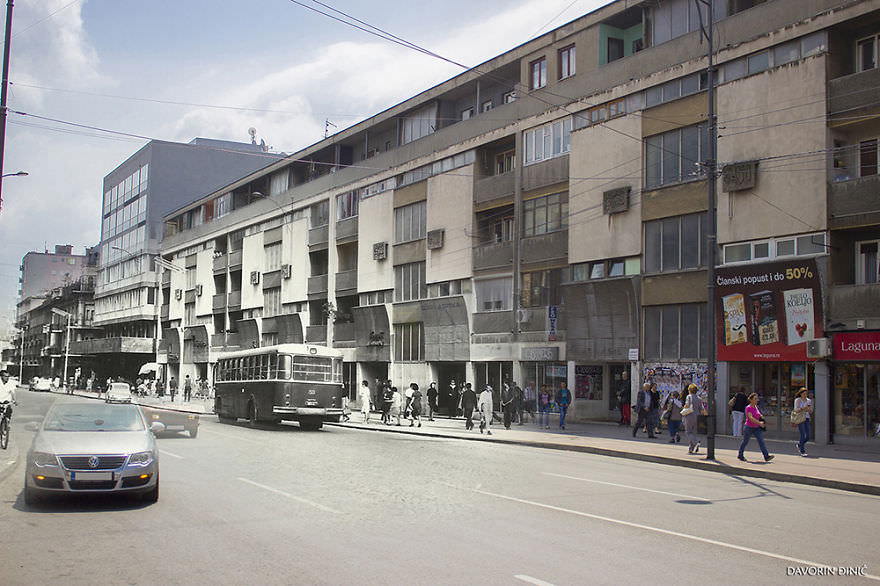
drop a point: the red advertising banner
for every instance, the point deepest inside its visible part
(767, 312)
(860, 346)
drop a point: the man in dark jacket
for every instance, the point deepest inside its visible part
(468, 404)
(623, 398)
(432, 401)
(507, 404)
(643, 404)
(563, 400)
(172, 388)
(518, 402)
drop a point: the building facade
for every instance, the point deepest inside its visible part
(543, 218)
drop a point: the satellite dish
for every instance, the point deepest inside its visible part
(252, 131)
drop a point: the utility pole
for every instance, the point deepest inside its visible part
(5, 84)
(712, 236)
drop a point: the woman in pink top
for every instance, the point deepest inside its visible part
(754, 426)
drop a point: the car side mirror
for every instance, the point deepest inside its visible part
(157, 427)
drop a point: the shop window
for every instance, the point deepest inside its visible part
(588, 382)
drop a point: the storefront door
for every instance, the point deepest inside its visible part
(857, 400)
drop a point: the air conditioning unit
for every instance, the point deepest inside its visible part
(198, 290)
(255, 277)
(380, 251)
(818, 348)
(435, 239)
(178, 294)
(286, 271)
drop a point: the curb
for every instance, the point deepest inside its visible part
(694, 464)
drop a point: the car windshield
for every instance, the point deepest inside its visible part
(94, 417)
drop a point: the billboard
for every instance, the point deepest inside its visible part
(767, 312)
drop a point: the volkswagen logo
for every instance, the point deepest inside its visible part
(93, 461)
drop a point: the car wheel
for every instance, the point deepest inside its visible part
(152, 496)
(193, 432)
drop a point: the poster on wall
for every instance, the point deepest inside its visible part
(675, 376)
(588, 382)
(767, 312)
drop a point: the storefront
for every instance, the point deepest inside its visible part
(776, 384)
(855, 396)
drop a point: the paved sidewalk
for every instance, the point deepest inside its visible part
(835, 466)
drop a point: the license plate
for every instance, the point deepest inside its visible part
(92, 476)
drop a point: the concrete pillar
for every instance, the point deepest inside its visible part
(723, 424)
(822, 402)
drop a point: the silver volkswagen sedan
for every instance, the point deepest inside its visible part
(93, 447)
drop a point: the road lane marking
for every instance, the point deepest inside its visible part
(290, 496)
(167, 453)
(666, 532)
(531, 580)
(687, 496)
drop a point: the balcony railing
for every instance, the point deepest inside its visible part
(847, 94)
(850, 302)
(319, 235)
(346, 281)
(493, 255)
(494, 187)
(234, 300)
(545, 173)
(316, 334)
(318, 285)
(854, 202)
(218, 302)
(344, 332)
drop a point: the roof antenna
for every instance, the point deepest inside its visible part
(253, 132)
(327, 125)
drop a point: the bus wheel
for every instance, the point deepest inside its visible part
(252, 414)
(311, 424)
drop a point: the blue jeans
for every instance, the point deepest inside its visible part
(563, 409)
(748, 432)
(804, 431)
(673, 428)
(544, 416)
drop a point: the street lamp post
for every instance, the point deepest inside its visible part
(7, 41)
(17, 174)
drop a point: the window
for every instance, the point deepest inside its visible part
(409, 282)
(272, 254)
(615, 49)
(347, 205)
(409, 342)
(867, 259)
(494, 294)
(868, 157)
(487, 105)
(375, 298)
(866, 53)
(409, 222)
(189, 314)
(505, 162)
(545, 214)
(675, 243)
(320, 214)
(278, 182)
(418, 124)
(675, 156)
(541, 288)
(509, 97)
(272, 301)
(538, 73)
(445, 288)
(567, 61)
(190, 278)
(467, 113)
(548, 141)
(675, 332)
(760, 250)
(759, 62)
(598, 114)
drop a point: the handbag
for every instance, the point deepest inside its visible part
(687, 410)
(798, 417)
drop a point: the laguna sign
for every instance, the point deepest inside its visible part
(859, 346)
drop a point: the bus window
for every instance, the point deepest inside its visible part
(312, 368)
(283, 366)
(337, 371)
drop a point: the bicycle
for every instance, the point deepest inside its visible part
(4, 424)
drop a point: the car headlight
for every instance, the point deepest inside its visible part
(43, 459)
(140, 459)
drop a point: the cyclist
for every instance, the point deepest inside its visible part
(7, 394)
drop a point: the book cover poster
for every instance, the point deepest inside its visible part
(799, 315)
(734, 319)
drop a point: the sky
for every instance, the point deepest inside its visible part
(179, 69)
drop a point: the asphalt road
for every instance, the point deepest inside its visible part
(342, 506)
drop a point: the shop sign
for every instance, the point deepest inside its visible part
(861, 346)
(552, 314)
(548, 354)
(767, 312)
(632, 354)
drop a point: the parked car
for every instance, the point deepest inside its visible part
(40, 384)
(93, 447)
(118, 393)
(173, 420)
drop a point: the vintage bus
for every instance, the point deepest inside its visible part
(295, 382)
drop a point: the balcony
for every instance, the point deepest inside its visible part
(220, 263)
(316, 334)
(346, 282)
(234, 259)
(346, 230)
(494, 255)
(164, 312)
(495, 187)
(319, 237)
(234, 302)
(318, 286)
(495, 322)
(855, 202)
(852, 302)
(166, 278)
(552, 246)
(113, 346)
(218, 302)
(847, 94)
(549, 172)
(227, 340)
(343, 332)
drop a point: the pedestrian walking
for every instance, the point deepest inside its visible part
(506, 404)
(396, 404)
(737, 406)
(172, 388)
(563, 399)
(387, 402)
(672, 413)
(485, 405)
(365, 396)
(692, 407)
(544, 399)
(454, 396)
(623, 398)
(415, 405)
(187, 389)
(468, 404)
(378, 394)
(654, 413)
(643, 405)
(518, 400)
(432, 400)
(801, 416)
(754, 426)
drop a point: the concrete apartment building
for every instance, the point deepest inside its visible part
(542, 218)
(158, 178)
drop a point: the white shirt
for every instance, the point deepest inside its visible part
(801, 403)
(7, 390)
